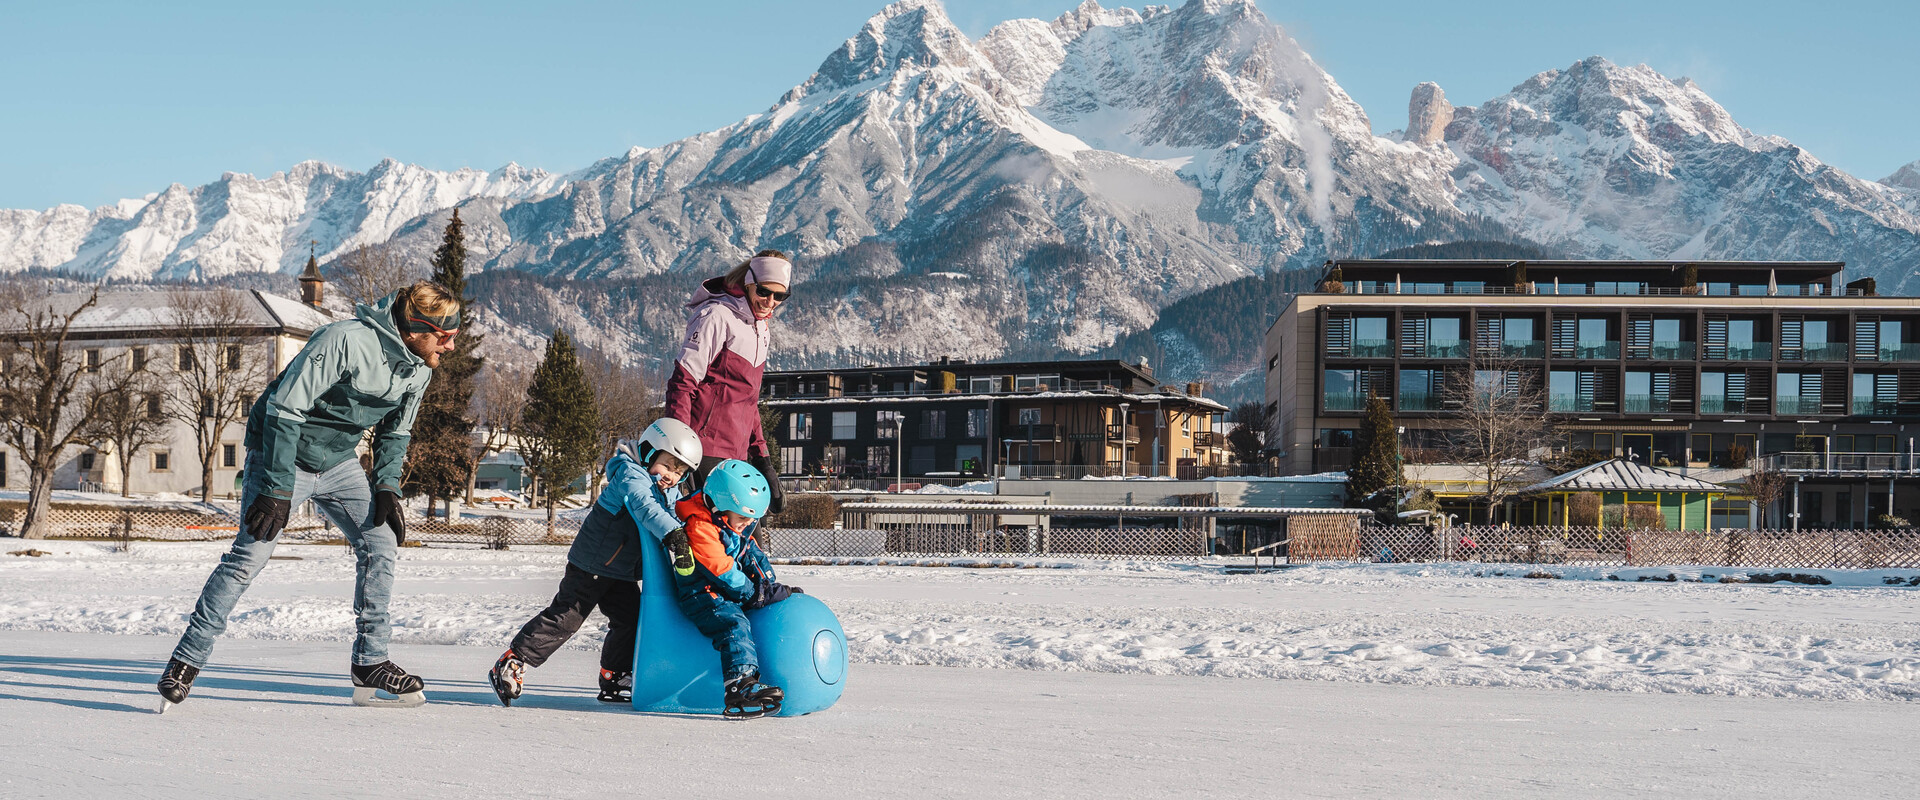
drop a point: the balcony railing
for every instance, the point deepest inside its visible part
(1875, 408)
(1751, 351)
(1825, 351)
(1858, 464)
(1205, 439)
(1039, 432)
(1130, 433)
(1904, 352)
(1516, 348)
(1718, 404)
(1647, 404)
(1440, 348)
(1596, 349)
(1419, 401)
(1796, 405)
(1664, 351)
(1372, 348)
(1569, 402)
(1347, 401)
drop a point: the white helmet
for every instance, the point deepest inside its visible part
(673, 436)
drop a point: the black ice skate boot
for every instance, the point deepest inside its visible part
(370, 680)
(747, 697)
(176, 682)
(616, 687)
(507, 676)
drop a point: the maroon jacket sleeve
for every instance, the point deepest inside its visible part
(706, 337)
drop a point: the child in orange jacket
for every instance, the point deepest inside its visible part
(720, 573)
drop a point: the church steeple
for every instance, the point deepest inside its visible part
(311, 284)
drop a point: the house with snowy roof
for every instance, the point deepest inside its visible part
(168, 332)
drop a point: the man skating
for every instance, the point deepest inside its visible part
(356, 375)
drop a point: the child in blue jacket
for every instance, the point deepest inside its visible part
(603, 566)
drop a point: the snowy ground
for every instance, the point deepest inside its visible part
(1091, 680)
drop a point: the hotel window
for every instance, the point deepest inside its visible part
(886, 424)
(793, 460)
(1029, 416)
(799, 427)
(843, 424)
(977, 423)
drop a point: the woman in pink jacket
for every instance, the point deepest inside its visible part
(715, 386)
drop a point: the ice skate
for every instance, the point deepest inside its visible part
(507, 676)
(616, 687)
(176, 682)
(748, 698)
(369, 681)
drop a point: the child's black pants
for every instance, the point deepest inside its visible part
(580, 592)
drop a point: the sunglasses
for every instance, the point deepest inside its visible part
(444, 336)
(766, 292)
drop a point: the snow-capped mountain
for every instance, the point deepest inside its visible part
(1621, 162)
(1049, 187)
(245, 224)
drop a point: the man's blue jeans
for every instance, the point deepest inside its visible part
(343, 494)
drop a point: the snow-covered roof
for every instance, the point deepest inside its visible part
(1621, 475)
(145, 309)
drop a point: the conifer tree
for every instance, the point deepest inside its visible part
(559, 428)
(1376, 459)
(442, 452)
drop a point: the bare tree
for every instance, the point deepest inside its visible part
(621, 396)
(369, 273)
(221, 361)
(1765, 486)
(498, 400)
(49, 397)
(131, 415)
(1501, 409)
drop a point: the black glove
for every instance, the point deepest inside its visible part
(266, 515)
(778, 502)
(770, 592)
(387, 510)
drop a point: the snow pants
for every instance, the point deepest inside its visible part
(580, 592)
(343, 494)
(726, 624)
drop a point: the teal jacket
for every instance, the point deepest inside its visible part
(353, 376)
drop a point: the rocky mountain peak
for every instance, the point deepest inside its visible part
(1428, 114)
(907, 33)
(1907, 177)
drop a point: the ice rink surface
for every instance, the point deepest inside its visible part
(1095, 681)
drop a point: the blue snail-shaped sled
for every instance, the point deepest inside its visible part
(676, 670)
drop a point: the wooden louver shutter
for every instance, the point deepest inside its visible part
(1639, 335)
(1489, 334)
(1413, 334)
(1791, 340)
(1340, 334)
(1566, 336)
(1715, 340)
(1866, 339)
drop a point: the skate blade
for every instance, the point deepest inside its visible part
(369, 697)
(165, 704)
(741, 713)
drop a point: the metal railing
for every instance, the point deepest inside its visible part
(1843, 464)
(1344, 401)
(1796, 405)
(1647, 404)
(1371, 348)
(1453, 348)
(1569, 402)
(1419, 401)
(1546, 545)
(1522, 349)
(1717, 404)
(1663, 351)
(1752, 351)
(1904, 352)
(1588, 349)
(1828, 351)
(1875, 408)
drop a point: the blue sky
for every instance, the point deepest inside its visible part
(106, 100)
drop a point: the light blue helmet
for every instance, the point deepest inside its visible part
(735, 486)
